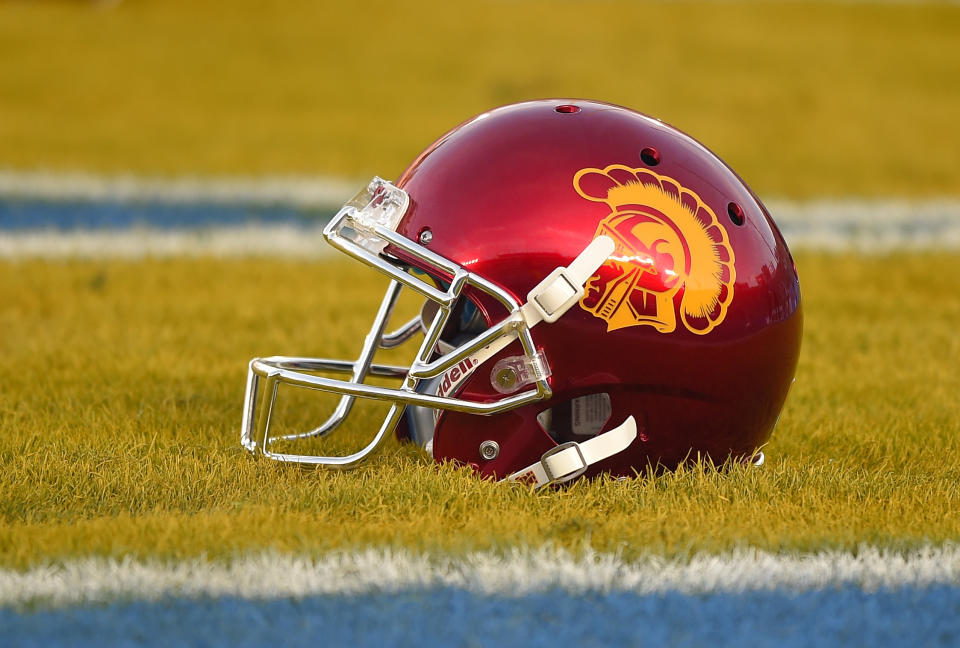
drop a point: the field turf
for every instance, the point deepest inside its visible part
(123, 382)
(801, 98)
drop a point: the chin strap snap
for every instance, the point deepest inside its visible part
(570, 460)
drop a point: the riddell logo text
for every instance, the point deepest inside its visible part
(455, 375)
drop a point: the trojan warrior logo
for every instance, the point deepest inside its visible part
(668, 244)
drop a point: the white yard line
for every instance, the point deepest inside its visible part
(221, 241)
(869, 225)
(517, 573)
(874, 225)
(300, 191)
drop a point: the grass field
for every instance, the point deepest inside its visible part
(129, 513)
(123, 382)
(802, 98)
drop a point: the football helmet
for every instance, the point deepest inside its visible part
(602, 294)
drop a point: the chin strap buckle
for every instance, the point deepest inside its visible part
(564, 287)
(570, 460)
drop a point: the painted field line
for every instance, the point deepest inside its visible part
(800, 226)
(300, 191)
(56, 215)
(517, 573)
(869, 225)
(273, 240)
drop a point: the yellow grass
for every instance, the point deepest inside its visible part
(803, 99)
(122, 387)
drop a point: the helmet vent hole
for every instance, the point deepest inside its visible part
(650, 156)
(735, 211)
(567, 109)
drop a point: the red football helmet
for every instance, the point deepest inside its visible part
(602, 294)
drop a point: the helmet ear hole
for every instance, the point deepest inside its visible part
(577, 419)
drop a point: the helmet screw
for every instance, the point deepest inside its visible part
(506, 378)
(426, 235)
(489, 450)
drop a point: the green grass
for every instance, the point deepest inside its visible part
(803, 99)
(123, 381)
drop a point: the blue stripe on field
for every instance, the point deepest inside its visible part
(452, 617)
(26, 214)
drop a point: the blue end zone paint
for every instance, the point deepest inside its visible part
(453, 617)
(23, 214)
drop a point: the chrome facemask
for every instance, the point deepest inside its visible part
(364, 228)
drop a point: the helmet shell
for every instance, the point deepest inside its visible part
(694, 328)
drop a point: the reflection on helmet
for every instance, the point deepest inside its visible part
(590, 306)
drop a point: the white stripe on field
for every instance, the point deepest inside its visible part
(515, 573)
(860, 227)
(138, 242)
(874, 225)
(300, 191)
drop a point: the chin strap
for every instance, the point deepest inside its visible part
(564, 287)
(570, 460)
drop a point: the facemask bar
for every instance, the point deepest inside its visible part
(360, 229)
(375, 338)
(273, 371)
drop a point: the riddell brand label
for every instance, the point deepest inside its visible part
(456, 375)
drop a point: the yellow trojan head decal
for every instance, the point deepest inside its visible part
(667, 241)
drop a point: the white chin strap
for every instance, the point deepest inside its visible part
(564, 287)
(570, 460)
(550, 299)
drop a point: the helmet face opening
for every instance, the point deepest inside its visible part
(589, 306)
(466, 320)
